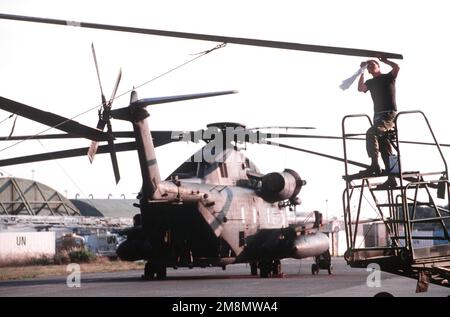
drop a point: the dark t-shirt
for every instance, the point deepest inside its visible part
(382, 89)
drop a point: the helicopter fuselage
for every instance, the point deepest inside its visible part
(215, 209)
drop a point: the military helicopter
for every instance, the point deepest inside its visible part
(215, 209)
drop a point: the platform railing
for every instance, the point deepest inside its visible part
(398, 207)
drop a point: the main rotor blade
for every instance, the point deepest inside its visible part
(120, 147)
(157, 100)
(164, 137)
(52, 120)
(315, 153)
(281, 127)
(309, 136)
(119, 134)
(159, 138)
(312, 136)
(39, 137)
(213, 38)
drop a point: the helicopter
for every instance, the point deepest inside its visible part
(217, 208)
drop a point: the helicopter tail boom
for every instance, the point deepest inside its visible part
(151, 177)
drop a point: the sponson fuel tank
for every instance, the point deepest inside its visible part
(310, 245)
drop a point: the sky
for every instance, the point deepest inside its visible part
(51, 67)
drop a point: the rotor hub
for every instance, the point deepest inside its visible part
(224, 125)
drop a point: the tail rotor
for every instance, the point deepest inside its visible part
(104, 115)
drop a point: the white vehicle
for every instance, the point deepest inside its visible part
(104, 244)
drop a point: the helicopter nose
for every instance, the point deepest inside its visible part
(133, 250)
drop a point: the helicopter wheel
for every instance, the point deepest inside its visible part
(265, 267)
(276, 268)
(161, 273)
(149, 272)
(154, 270)
(254, 268)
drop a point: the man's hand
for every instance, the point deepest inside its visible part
(361, 85)
(395, 67)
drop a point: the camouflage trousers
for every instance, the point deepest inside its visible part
(376, 138)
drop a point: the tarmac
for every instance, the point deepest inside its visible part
(235, 281)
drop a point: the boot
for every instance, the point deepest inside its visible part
(373, 170)
(389, 184)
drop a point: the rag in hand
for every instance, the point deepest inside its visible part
(349, 81)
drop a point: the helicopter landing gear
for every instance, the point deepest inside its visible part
(153, 270)
(264, 268)
(149, 273)
(270, 268)
(276, 268)
(161, 273)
